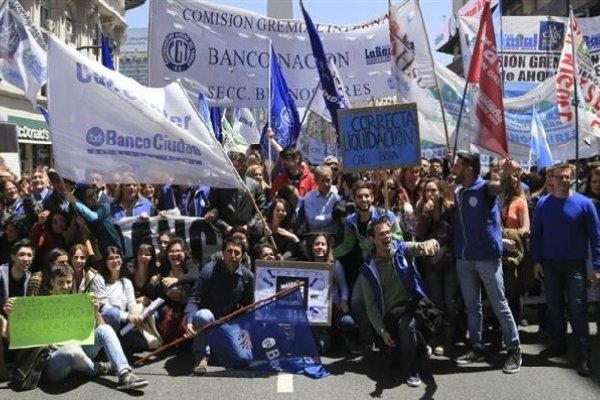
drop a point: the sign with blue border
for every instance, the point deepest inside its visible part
(379, 137)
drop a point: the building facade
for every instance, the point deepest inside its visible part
(133, 59)
(80, 24)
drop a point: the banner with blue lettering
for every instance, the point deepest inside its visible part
(280, 340)
(105, 121)
(223, 52)
(379, 137)
(530, 48)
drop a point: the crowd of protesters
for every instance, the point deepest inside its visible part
(404, 244)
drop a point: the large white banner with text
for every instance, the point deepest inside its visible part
(223, 52)
(104, 121)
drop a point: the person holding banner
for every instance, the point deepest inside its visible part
(222, 287)
(72, 357)
(15, 275)
(128, 202)
(392, 288)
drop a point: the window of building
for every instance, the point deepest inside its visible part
(69, 26)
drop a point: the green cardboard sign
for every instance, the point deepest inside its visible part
(45, 320)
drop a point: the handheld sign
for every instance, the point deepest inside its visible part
(379, 137)
(45, 320)
(273, 276)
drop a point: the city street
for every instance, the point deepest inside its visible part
(351, 378)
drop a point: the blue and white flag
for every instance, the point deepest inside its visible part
(539, 143)
(285, 120)
(272, 337)
(204, 110)
(215, 121)
(121, 127)
(23, 56)
(331, 83)
(107, 59)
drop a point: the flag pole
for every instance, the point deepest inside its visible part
(460, 112)
(220, 321)
(269, 161)
(437, 83)
(575, 101)
(312, 98)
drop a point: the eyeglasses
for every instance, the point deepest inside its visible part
(175, 251)
(113, 258)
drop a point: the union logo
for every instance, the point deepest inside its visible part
(178, 51)
(95, 136)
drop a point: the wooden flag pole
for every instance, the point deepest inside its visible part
(221, 320)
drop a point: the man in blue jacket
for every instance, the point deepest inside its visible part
(565, 226)
(478, 249)
(391, 286)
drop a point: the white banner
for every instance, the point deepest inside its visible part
(530, 47)
(202, 238)
(413, 72)
(103, 120)
(244, 123)
(223, 52)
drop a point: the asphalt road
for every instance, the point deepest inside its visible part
(351, 378)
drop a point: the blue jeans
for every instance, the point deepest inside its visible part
(470, 275)
(567, 278)
(227, 341)
(200, 346)
(73, 357)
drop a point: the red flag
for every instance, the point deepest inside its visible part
(484, 75)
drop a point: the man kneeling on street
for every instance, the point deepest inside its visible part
(391, 286)
(75, 358)
(223, 286)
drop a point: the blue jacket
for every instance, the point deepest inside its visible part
(406, 272)
(142, 205)
(477, 230)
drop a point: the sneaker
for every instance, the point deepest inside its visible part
(513, 362)
(472, 356)
(103, 368)
(413, 380)
(202, 367)
(128, 380)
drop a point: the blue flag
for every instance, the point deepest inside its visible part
(285, 120)
(45, 114)
(211, 116)
(333, 91)
(215, 120)
(107, 59)
(539, 143)
(272, 337)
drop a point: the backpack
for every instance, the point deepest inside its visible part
(27, 369)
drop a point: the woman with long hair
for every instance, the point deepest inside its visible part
(129, 202)
(279, 227)
(515, 230)
(121, 298)
(174, 285)
(141, 270)
(435, 220)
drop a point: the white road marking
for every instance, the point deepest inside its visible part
(285, 383)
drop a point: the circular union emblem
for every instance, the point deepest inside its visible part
(268, 343)
(95, 136)
(178, 51)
